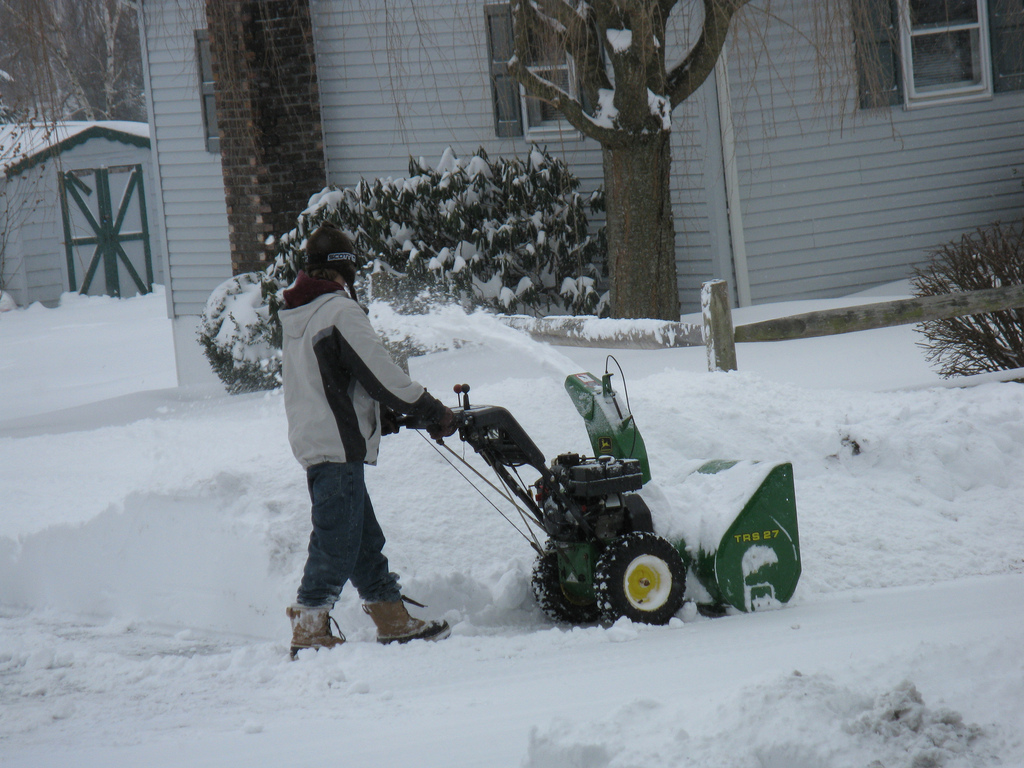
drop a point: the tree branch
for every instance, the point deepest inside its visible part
(688, 75)
(110, 24)
(571, 108)
(557, 10)
(581, 42)
(525, 14)
(65, 62)
(666, 8)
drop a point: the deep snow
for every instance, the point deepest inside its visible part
(150, 538)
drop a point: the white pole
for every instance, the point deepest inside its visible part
(732, 182)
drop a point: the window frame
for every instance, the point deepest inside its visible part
(557, 126)
(207, 86)
(512, 105)
(914, 96)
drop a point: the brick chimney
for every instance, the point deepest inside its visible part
(268, 112)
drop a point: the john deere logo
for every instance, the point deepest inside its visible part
(604, 444)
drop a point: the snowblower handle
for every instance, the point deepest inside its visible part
(415, 422)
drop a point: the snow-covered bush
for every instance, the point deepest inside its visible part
(994, 341)
(241, 341)
(511, 234)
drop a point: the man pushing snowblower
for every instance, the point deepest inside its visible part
(339, 381)
(602, 553)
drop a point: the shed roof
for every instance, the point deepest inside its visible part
(23, 145)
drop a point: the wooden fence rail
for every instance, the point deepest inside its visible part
(883, 314)
(719, 336)
(608, 332)
(865, 317)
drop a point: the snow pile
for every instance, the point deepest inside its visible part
(798, 721)
(921, 736)
(619, 39)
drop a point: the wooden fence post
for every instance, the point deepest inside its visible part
(718, 331)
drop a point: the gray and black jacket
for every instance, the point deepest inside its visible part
(337, 374)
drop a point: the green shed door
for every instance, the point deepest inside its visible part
(106, 231)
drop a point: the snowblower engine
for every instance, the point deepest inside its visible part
(602, 489)
(576, 499)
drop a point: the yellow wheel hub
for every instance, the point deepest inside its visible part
(647, 582)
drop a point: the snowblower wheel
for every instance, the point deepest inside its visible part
(642, 577)
(547, 588)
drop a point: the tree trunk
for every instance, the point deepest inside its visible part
(640, 229)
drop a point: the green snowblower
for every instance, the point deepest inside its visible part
(752, 559)
(605, 554)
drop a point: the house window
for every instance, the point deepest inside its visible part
(945, 50)
(548, 60)
(516, 113)
(923, 52)
(207, 102)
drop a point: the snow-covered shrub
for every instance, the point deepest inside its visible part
(511, 234)
(239, 338)
(989, 258)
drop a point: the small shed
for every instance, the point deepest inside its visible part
(75, 211)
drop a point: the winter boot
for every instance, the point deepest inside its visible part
(311, 628)
(395, 625)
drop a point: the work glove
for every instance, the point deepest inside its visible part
(388, 422)
(445, 426)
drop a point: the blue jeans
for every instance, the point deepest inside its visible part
(346, 543)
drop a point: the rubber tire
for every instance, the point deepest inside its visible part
(547, 589)
(642, 577)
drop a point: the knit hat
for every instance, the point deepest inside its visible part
(332, 259)
(329, 247)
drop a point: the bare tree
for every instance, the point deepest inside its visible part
(619, 51)
(72, 59)
(7, 113)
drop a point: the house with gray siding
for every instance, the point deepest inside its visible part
(813, 164)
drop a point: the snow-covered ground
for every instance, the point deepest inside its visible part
(151, 537)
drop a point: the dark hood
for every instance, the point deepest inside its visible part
(306, 289)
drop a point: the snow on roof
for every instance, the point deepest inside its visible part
(24, 144)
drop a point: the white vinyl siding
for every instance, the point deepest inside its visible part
(33, 237)
(193, 211)
(699, 196)
(837, 199)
